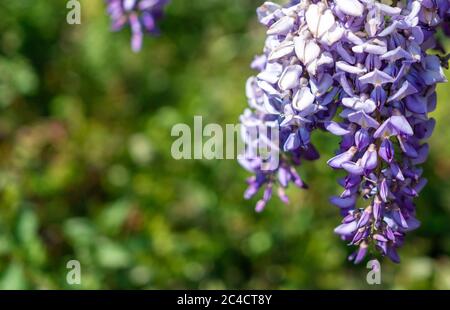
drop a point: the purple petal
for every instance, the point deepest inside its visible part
(345, 54)
(384, 190)
(399, 219)
(284, 176)
(362, 119)
(321, 86)
(401, 124)
(406, 90)
(393, 255)
(362, 139)
(336, 129)
(386, 150)
(417, 104)
(407, 148)
(420, 185)
(389, 234)
(412, 223)
(424, 130)
(282, 195)
(380, 238)
(385, 130)
(346, 229)
(396, 54)
(376, 78)
(353, 168)
(364, 219)
(337, 161)
(260, 205)
(396, 172)
(148, 21)
(292, 143)
(362, 252)
(343, 203)
(370, 159)
(137, 36)
(422, 155)
(377, 209)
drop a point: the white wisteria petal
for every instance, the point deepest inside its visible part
(327, 21)
(353, 38)
(266, 12)
(300, 47)
(312, 51)
(350, 7)
(367, 106)
(290, 78)
(333, 35)
(272, 73)
(372, 26)
(342, 65)
(306, 50)
(375, 49)
(388, 30)
(303, 99)
(319, 21)
(358, 104)
(312, 18)
(268, 88)
(325, 59)
(388, 9)
(282, 27)
(283, 50)
(312, 67)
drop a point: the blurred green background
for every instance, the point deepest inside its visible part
(86, 171)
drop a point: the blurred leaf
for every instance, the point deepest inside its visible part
(13, 278)
(112, 255)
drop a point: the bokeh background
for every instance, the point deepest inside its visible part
(86, 171)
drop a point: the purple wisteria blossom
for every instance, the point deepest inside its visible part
(293, 93)
(385, 110)
(367, 62)
(141, 15)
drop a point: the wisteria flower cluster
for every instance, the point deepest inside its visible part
(360, 70)
(140, 15)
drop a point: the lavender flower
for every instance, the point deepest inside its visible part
(293, 92)
(369, 61)
(385, 112)
(141, 15)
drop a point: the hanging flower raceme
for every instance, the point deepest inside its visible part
(292, 95)
(389, 88)
(369, 60)
(141, 15)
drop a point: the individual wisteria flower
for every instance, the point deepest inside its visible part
(389, 86)
(443, 9)
(140, 15)
(434, 15)
(292, 94)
